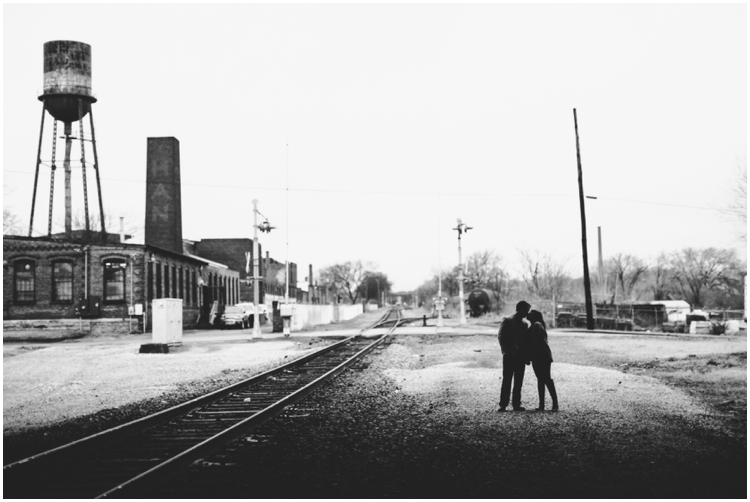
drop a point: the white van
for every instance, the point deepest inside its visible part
(677, 310)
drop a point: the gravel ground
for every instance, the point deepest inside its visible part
(420, 422)
(111, 376)
(416, 420)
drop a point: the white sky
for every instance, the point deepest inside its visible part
(384, 106)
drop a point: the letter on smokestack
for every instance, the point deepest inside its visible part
(163, 194)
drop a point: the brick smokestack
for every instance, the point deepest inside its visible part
(163, 194)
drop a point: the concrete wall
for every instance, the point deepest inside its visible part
(311, 315)
(347, 312)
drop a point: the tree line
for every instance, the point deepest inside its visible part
(357, 281)
(705, 278)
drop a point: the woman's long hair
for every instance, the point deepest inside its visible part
(536, 316)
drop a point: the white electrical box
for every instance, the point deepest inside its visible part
(286, 310)
(167, 321)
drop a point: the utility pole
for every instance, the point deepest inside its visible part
(265, 227)
(586, 281)
(439, 303)
(461, 228)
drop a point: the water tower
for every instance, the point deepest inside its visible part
(67, 97)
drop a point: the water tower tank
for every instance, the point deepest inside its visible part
(67, 79)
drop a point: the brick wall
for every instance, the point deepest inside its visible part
(163, 194)
(40, 255)
(231, 252)
(178, 276)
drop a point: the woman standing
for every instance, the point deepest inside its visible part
(541, 358)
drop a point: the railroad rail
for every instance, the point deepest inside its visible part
(127, 460)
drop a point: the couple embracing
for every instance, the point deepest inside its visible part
(523, 341)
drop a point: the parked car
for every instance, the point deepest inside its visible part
(236, 316)
(250, 309)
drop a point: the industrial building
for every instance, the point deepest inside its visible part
(110, 283)
(91, 281)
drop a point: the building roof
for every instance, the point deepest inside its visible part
(15, 243)
(20, 243)
(208, 262)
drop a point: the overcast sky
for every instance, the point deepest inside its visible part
(388, 122)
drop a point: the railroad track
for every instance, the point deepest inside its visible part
(126, 461)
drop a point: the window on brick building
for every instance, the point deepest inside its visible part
(166, 281)
(150, 280)
(194, 285)
(181, 294)
(158, 280)
(62, 281)
(114, 280)
(23, 281)
(174, 281)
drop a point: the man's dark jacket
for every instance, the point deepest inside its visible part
(512, 336)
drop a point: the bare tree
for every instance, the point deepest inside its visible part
(11, 222)
(485, 270)
(628, 271)
(501, 286)
(544, 276)
(736, 205)
(661, 278)
(697, 271)
(133, 226)
(374, 285)
(430, 288)
(348, 277)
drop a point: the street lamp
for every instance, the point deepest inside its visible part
(461, 228)
(263, 227)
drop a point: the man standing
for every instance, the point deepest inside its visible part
(512, 337)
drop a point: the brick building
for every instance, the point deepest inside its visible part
(45, 278)
(98, 277)
(237, 254)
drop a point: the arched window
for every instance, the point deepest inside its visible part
(114, 280)
(23, 281)
(62, 281)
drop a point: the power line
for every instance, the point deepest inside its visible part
(391, 192)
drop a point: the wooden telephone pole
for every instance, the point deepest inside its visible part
(586, 281)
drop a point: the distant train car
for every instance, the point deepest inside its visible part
(479, 302)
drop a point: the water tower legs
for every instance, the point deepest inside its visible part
(36, 173)
(68, 198)
(52, 178)
(68, 131)
(96, 170)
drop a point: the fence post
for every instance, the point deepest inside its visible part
(554, 308)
